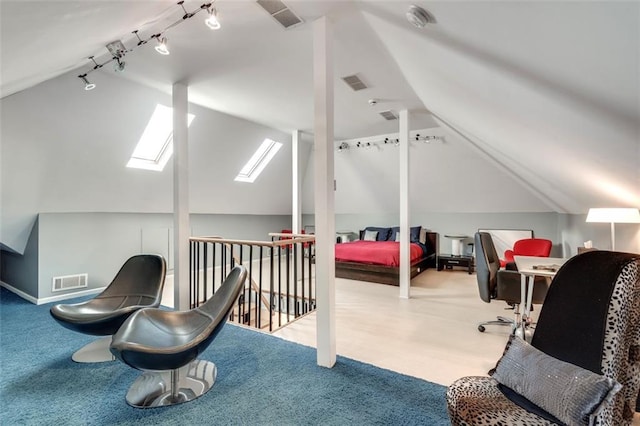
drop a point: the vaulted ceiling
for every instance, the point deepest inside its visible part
(548, 92)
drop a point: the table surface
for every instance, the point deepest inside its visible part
(540, 266)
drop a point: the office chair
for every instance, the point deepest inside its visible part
(589, 325)
(137, 285)
(499, 284)
(538, 247)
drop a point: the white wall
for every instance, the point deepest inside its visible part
(65, 150)
(444, 177)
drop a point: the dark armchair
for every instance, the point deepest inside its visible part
(167, 345)
(589, 325)
(137, 285)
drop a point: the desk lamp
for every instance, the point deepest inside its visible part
(613, 216)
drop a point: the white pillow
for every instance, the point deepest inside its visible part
(370, 235)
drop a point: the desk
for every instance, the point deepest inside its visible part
(530, 267)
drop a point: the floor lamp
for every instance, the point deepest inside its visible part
(613, 216)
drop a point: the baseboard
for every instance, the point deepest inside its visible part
(50, 299)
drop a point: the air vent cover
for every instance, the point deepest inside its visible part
(280, 12)
(68, 282)
(389, 115)
(354, 82)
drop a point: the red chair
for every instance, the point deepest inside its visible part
(538, 247)
(288, 231)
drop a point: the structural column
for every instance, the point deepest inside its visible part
(324, 192)
(405, 259)
(180, 197)
(296, 203)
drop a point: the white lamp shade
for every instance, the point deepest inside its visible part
(614, 215)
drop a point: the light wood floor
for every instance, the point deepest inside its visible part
(433, 335)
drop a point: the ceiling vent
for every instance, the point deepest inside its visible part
(280, 12)
(354, 82)
(389, 115)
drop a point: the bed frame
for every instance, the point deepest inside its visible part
(388, 274)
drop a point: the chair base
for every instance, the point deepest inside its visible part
(499, 321)
(161, 388)
(96, 351)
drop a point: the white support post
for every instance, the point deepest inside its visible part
(296, 203)
(405, 260)
(324, 192)
(180, 198)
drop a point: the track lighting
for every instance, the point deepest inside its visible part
(117, 49)
(87, 85)
(343, 147)
(212, 20)
(162, 48)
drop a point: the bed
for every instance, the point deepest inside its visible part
(375, 257)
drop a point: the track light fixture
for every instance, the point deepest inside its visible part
(378, 143)
(162, 48)
(87, 85)
(119, 66)
(212, 20)
(118, 50)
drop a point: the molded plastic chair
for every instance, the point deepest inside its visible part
(590, 318)
(499, 284)
(137, 285)
(166, 345)
(538, 247)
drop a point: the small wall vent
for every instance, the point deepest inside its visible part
(389, 115)
(68, 282)
(354, 82)
(280, 12)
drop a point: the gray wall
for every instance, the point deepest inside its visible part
(99, 243)
(22, 269)
(70, 156)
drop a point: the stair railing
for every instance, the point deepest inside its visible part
(280, 284)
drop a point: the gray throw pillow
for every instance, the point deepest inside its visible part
(568, 392)
(370, 235)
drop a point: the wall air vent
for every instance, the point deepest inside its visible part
(354, 82)
(281, 13)
(68, 282)
(389, 115)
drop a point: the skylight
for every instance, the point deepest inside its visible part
(155, 147)
(258, 161)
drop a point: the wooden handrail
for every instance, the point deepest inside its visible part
(304, 238)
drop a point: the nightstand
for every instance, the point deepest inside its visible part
(448, 261)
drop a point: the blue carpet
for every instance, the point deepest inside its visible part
(262, 380)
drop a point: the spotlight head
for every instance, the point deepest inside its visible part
(162, 48)
(87, 85)
(212, 20)
(119, 65)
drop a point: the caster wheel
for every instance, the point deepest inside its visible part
(481, 328)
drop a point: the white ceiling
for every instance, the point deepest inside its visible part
(547, 91)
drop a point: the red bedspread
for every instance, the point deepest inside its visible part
(375, 252)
